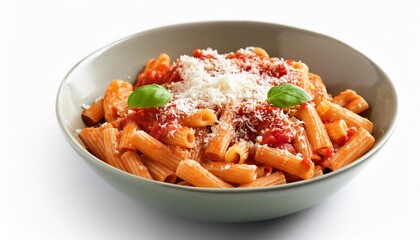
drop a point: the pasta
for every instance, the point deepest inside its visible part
(237, 153)
(115, 100)
(315, 128)
(351, 100)
(112, 155)
(127, 132)
(357, 145)
(329, 111)
(202, 118)
(222, 121)
(134, 165)
(93, 114)
(155, 150)
(158, 171)
(285, 161)
(218, 145)
(182, 137)
(301, 142)
(194, 173)
(233, 173)
(337, 129)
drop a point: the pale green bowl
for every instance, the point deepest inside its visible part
(339, 65)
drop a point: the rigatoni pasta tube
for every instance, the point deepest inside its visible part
(182, 137)
(94, 141)
(301, 142)
(158, 171)
(315, 129)
(351, 100)
(237, 153)
(201, 118)
(179, 151)
(233, 173)
(197, 152)
(344, 97)
(112, 154)
(155, 150)
(357, 105)
(329, 111)
(285, 161)
(337, 129)
(192, 172)
(225, 131)
(155, 66)
(127, 132)
(260, 52)
(94, 113)
(134, 165)
(276, 178)
(355, 147)
(303, 75)
(319, 90)
(115, 99)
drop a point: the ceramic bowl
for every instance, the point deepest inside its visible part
(339, 65)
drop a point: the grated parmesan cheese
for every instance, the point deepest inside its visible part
(218, 81)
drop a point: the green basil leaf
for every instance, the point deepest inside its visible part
(152, 95)
(287, 95)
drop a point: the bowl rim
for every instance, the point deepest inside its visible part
(82, 151)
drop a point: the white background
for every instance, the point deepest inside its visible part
(48, 192)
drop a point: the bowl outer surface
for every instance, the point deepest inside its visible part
(339, 65)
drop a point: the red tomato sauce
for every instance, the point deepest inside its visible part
(267, 122)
